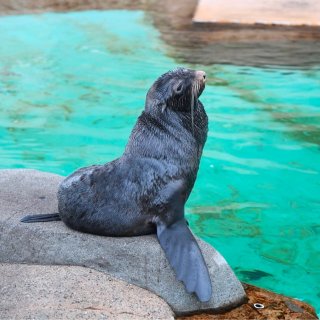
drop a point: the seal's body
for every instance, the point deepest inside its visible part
(145, 190)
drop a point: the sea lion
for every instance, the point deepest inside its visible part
(145, 190)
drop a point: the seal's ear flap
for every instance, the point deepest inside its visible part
(178, 87)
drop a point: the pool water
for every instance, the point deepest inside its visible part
(73, 84)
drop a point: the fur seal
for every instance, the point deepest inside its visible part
(145, 190)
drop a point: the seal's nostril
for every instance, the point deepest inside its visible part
(201, 75)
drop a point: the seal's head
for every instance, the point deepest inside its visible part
(178, 90)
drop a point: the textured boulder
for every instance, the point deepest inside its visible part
(69, 292)
(137, 260)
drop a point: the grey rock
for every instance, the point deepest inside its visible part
(69, 292)
(136, 260)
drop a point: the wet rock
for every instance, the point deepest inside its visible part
(137, 260)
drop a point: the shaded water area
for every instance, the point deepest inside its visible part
(73, 84)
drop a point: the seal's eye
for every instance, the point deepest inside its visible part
(179, 88)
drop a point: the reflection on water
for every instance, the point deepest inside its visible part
(73, 84)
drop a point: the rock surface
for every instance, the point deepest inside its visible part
(275, 306)
(137, 260)
(64, 292)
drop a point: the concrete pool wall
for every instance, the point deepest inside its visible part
(280, 12)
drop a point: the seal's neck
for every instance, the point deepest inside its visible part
(167, 135)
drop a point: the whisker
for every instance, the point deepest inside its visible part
(192, 107)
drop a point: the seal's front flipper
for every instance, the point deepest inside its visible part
(41, 218)
(185, 257)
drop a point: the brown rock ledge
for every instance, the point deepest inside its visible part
(276, 306)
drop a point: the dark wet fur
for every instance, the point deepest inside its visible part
(145, 190)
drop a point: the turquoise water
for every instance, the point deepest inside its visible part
(72, 85)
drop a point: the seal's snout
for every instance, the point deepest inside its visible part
(201, 75)
(199, 82)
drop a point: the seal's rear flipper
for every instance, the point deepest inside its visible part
(41, 218)
(185, 257)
